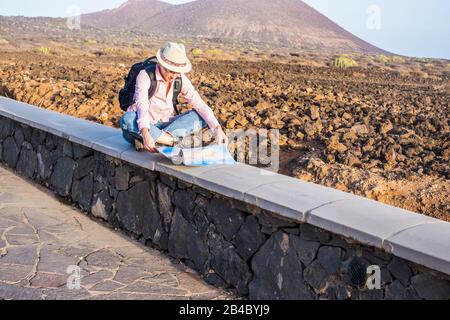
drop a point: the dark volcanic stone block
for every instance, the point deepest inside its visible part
(80, 151)
(68, 149)
(82, 191)
(132, 206)
(5, 128)
(10, 152)
(38, 138)
(122, 178)
(229, 265)
(165, 195)
(62, 176)
(311, 233)
(431, 288)
(184, 200)
(316, 276)
(306, 250)
(27, 131)
(330, 258)
(27, 163)
(249, 238)
(226, 219)
(169, 181)
(397, 291)
(18, 136)
(272, 222)
(400, 270)
(51, 142)
(278, 273)
(84, 167)
(187, 243)
(44, 164)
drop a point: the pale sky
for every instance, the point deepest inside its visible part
(407, 27)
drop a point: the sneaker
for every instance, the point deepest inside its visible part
(138, 145)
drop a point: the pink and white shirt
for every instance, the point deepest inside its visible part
(160, 106)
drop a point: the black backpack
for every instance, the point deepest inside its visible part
(126, 94)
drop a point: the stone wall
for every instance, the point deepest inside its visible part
(232, 244)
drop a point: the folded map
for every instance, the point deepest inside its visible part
(214, 154)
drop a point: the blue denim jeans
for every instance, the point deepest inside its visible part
(180, 126)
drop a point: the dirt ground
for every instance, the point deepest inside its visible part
(377, 130)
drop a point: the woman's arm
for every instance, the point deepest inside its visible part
(193, 98)
(142, 100)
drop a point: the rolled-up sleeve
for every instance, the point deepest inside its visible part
(193, 98)
(142, 102)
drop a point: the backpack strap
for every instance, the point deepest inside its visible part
(153, 83)
(177, 86)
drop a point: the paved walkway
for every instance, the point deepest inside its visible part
(40, 238)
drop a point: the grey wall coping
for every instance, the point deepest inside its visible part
(406, 234)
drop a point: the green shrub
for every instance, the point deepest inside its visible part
(383, 58)
(343, 62)
(197, 52)
(44, 50)
(214, 51)
(398, 59)
(109, 50)
(90, 41)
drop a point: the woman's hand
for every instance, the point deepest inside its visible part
(149, 144)
(221, 137)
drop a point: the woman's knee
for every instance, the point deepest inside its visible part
(197, 118)
(129, 117)
(128, 121)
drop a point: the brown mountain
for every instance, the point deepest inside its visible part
(128, 15)
(275, 22)
(289, 22)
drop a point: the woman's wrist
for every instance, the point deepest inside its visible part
(145, 131)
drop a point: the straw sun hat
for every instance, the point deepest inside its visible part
(173, 57)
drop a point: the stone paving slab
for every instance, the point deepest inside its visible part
(41, 237)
